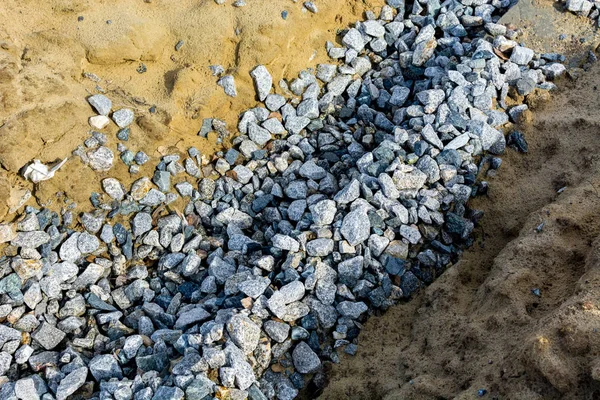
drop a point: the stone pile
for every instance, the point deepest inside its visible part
(336, 200)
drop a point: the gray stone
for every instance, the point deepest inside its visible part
(319, 247)
(101, 159)
(228, 84)
(274, 102)
(410, 233)
(425, 45)
(243, 174)
(278, 331)
(310, 6)
(312, 171)
(243, 332)
(295, 124)
(521, 55)
(326, 72)
(258, 135)
(323, 212)
(69, 384)
(168, 393)
(431, 99)
(354, 40)
(254, 287)
(113, 188)
(305, 359)
(87, 243)
(105, 367)
(374, 28)
(339, 84)
(5, 360)
(100, 103)
(431, 136)
(69, 250)
(48, 336)
(193, 316)
(349, 193)
(123, 117)
(30, 240)
(285, 242)
(296, 190)
(153, 198)
(25, 389)
(296, 210)
(141, 223)
(351, 309)
(262, 81)
(162, 179)
(356, 227)
(274, 126)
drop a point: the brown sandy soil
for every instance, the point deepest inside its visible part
(479, 326)
(44, 51)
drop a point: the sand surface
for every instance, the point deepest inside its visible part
(45, 51)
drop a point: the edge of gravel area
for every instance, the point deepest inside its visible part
(516, 316)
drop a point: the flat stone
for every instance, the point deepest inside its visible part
(356, 227)
(319, 247)
(105, 367)
(69, 384)
(100, 103)
(168, 393)
(353, 39)
(262, 81)
(30, 240)
(113, 188)
(284, 242)
(278, 331)
(123, 117)
(48, 336)
(305, 359)
(258, 135)
(351, 309)
(101, 159)
(228, 84)
(243, 332)
(193, 316)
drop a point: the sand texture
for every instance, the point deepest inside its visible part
(45, 52)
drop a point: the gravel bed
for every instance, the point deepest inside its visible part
(338, 199)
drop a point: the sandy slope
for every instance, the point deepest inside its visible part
(45, 49)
